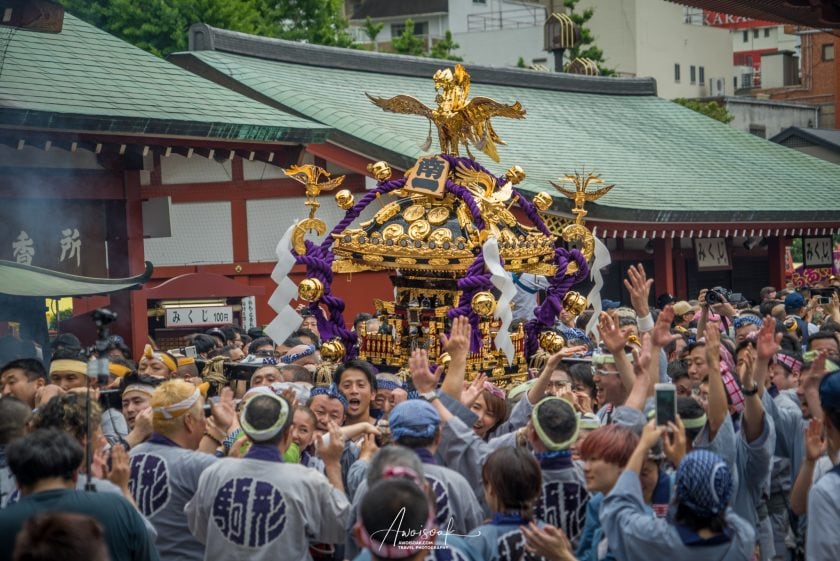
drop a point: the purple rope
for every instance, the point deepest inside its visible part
(353, 213)
(318, 260)
(546, 313)
(531, 213)
(474, 280)
(527, 206)
(465, 195)
(472, 164)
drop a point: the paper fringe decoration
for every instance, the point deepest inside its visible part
(503, 281)
(287, 319)
(602, 259)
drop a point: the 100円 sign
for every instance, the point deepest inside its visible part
(203, 315)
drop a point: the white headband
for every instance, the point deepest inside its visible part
(177, 409)
(261, 435)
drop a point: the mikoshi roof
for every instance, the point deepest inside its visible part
(670, 164)
(17, 279)
(85, 80)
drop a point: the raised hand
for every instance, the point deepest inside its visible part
(583, 402)
(331, 452)
(815, 445)
(638, 285)
(143, 423)
(549, 542)
(675, 442)
(661, 335)
(746, 369)
(712, 334)
(767, 341)
(418, 364)
(120, 470)
(651, 433)
(224, 411)
(642, 358)
(458, 342)
(611, 334)
(369, 447)
(473, 390)
(45, 393)
(567, 352)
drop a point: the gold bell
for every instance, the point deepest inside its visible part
(515, 175)
(551, 341)
(483, 303)
(380, 171)
(345, 199)
(310, 290)
(333, 350)
(575, 303)
(543, 201)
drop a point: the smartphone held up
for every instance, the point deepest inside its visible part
(666, 404)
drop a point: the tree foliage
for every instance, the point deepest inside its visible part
(372, 30)
(707, 108)
(585, 46)
(443, 48)
(408, 43)
(160, 26)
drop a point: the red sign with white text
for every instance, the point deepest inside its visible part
(719, 19)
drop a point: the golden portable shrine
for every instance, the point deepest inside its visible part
(452, 242)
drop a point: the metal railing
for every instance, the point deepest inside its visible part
(506, 19)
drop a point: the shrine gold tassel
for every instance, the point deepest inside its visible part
(428, 144)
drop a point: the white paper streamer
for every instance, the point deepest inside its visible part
(503, 281)
(287, 319)
(602, 259)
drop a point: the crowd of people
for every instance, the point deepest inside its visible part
(159, 462)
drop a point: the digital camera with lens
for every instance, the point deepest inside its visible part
(718, 295)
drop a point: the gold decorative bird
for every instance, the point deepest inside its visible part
(580, 196)
(482, 185)
(309, 175)
(458, 121)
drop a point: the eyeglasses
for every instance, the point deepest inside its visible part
(559, 384)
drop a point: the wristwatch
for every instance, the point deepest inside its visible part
(752, 392)
(429, 396)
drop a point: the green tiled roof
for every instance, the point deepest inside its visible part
(670, 164)
(84, 79)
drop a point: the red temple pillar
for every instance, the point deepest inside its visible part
(663, 266)
(776, 261)
(132, 322)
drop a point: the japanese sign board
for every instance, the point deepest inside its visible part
(817, 252)
(66, 236)
(202, 315)
(712, 254)
(428, 176)
(248, 316)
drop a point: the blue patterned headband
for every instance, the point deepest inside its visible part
(331, 392)
(573, 333)
(387, 384)
(747, 319)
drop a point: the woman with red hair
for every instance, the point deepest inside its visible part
(605, 453)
